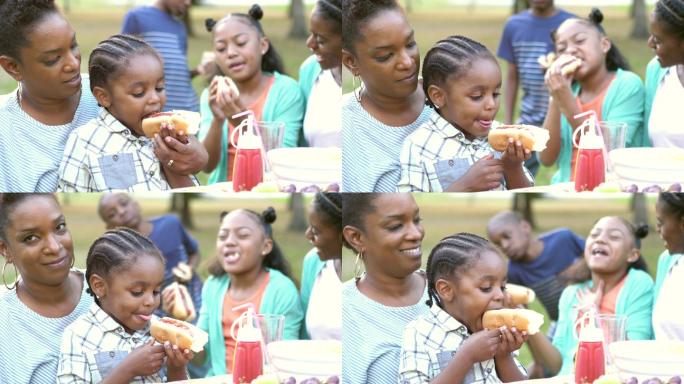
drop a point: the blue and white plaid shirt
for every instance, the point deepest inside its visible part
(437, 154)
(429, 344)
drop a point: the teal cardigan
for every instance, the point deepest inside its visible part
(312, 266)
(654, 76)
(635, 300)
(624, 102)
(665, 262)
(308, 73)
(284, 102)
(280, 297)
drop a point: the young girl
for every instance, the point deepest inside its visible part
(249, 269)
(111, 152)
(112, 342)
(466, 278)
(667, 319)
(602, 84)
(321, 290)
(619, 285)
(244, 54)
(450, 152)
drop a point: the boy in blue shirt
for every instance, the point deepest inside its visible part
(526, 37)
(160, 25)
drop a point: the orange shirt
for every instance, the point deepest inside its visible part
(258, 108)
(596, 106)
(609, 300)
(229, 316)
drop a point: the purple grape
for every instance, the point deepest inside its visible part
(313, 188)
(334, 187)
(336, 380)
(676, 187)
(290, 380)
(653, 380)
(652, 189)
(310, 380)
(632, 188)
(289, 188)
(675, 380)
(632, 380)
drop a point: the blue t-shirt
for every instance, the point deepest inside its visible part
(525, 38)
(174, 242)
(168, 36)
(562, 247)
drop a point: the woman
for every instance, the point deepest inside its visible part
(667, 319)
(245, 55)
(385, 232)
(665, 75)
(619, 285)
(602, 83)
(38, 49)
(48, 293)
(321, 289)
(378, 46)
(320, 76)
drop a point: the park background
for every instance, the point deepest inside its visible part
(482, 20)
(443, 214)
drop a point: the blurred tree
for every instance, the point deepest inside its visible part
(639, 210)
(187, 20)
(180, 204)
(522, 203)
(298, 29)
(298, 219)
(519, 5)
(640, 27)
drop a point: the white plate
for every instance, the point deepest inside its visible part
(306, 166)
(648, 166)
(303, 359)
(645, 359)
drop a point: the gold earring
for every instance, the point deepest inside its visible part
(4, 281)
(357, 266)
(357, 84)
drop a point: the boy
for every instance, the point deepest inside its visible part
(526, 37)
(162, 28)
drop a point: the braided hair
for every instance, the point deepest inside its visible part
(8, 203)
(112, 55)
(332, 11)
(271, 60)
(356, 13)
(451, 58)
(355, 207)
(671, 12)
(274, 259)
(118, 249)
(19, 18)
(329, 206)
(451, 255)
(673, 203)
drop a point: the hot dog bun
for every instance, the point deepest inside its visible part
(178, 333)
(545, 61)
(185, 122)
(571, 67)
(517, 294)
(183, 308)
(532, 138)
(182, 271)
(522, 319)
(226, 84)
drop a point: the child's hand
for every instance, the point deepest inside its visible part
(482, 345)
(484, 175)
(558, 83)
(175, 357)
(511, 340)
(225, 104)
(515, 153)
(168, 299)
(168, 130)
(213, 99)
(145, 360)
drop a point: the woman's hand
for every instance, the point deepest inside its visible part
(511, 340)
(188, 158)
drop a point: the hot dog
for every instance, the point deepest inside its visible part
(517, 294)
(179, 333)
(522, 319)
(532, 138)
(224, 85)
(545, 61)
(183, 308)
(184, 122)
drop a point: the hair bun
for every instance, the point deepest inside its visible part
(222, 215)
(596, 16)
(209, 24)
(641, 230)
(256, 12)
(269, 215)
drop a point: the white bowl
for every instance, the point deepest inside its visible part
(646, 359)
(306, 166)
(648, 166)
(303, 359)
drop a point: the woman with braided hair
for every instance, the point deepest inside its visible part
(38, 49)
(667, 319)
(665, 75)
(321, 287)
(385, 231)
(47, 294)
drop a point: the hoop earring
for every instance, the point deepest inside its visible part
(4, 281)
(73, 261)
(357, 84)
(357, 266)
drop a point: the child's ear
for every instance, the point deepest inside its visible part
(3, 252)
(634, 255)
(267, 247)
(349, 61)
(605, 44)
(446, 290)
(98, 285)
(264, 44)
(436, 95)
(102, 96)
(354, 237)
(12, 67)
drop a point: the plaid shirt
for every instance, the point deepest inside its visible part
(104, 155)
(429, 345)
(437, 154)
(94, 344)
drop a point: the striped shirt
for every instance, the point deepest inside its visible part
(525, 38)
(168, 36)
(94, 344)
(104, 155)
(437, 154)
(34, 359)
(30, 151)
(372, 336)
(430, 344)
(370, 155)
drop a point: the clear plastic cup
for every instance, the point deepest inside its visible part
(271, 327)
(614, 137)
(614, 329)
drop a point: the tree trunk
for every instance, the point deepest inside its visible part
(298, 30)
(639, 208)
(409, 6)
(519, 5)
(298, 219)
(180, 203)
(640, 27)
(522, 203)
